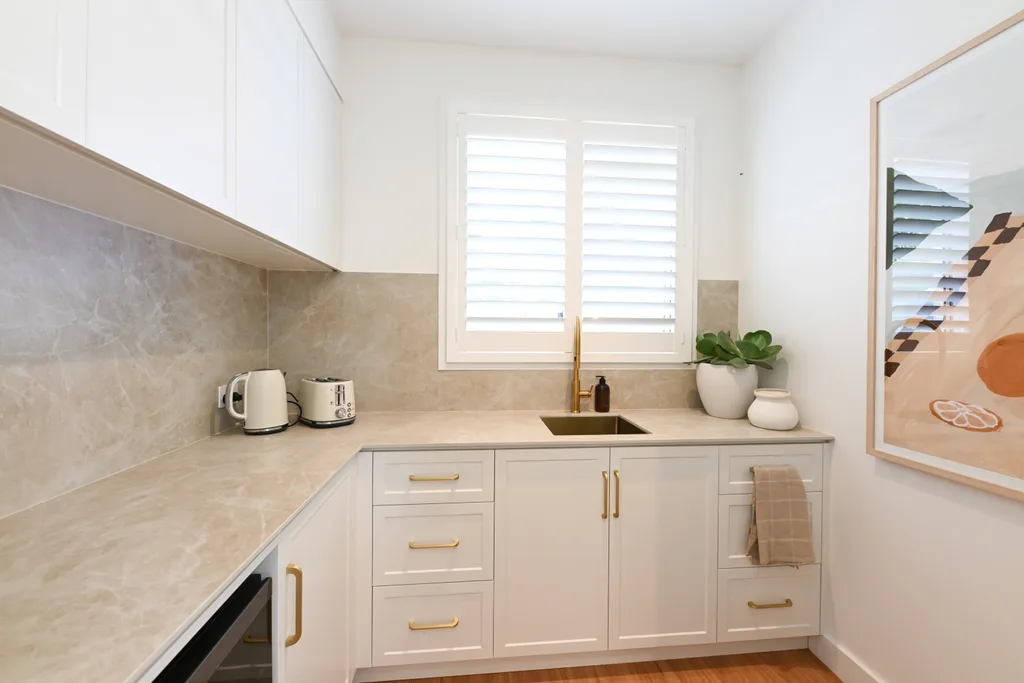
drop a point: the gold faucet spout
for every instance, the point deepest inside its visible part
(575, 390)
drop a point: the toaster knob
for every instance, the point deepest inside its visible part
(340, 412)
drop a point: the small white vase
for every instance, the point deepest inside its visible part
(726, 391)
(773, 409)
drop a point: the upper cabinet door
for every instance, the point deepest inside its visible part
(319, 163)
(663, 568)
(43, 52)
(269, 62)
(550, 551)
(161, 92)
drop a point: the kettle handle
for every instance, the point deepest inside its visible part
(228, 403)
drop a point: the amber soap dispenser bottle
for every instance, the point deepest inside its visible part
(602, 396)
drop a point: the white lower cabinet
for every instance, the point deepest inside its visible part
(663, 571)
(316, 573)
(441, 622)
(768, 602)
(551, 551)
(433, 543)
(734, 513)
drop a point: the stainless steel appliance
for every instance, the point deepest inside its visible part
(264, 401)
(225, 647)
(327, 401)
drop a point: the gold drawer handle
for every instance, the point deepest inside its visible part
(295, 571)
(430, 546)
(604, 513)
(413, 626)
(774, 605)
(618, 491)
(416, 477)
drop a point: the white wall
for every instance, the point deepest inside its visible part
(927, 577)
(394, 93)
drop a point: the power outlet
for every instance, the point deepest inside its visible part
(221, 390)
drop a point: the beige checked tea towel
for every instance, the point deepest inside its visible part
(780, 526)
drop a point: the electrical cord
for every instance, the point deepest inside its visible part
(295, 402)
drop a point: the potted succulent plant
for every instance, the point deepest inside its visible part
(727, 372)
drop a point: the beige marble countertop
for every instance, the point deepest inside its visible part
(95, 584)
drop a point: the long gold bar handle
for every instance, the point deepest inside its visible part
(604, 515)
(416, 477)
(270, 625)
(774, 605)
(413, 626)
(618, 487)
(295, 571)
(429, 546)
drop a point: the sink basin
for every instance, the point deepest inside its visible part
(584, 425)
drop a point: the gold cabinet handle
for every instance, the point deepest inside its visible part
(413, 626)
(295, 571)
(430, 546)
(772, 605)
(604, 515)
(416, 477)
(618, 486)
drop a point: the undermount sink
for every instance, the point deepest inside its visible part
(584, 425)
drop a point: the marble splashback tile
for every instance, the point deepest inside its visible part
(380, 330)
(718, 306)
(112, 342)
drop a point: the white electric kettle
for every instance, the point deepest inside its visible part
(264, 401)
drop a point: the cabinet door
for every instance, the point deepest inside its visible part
(161, 92)
(664, 538)
(42, 50)
(319, 549)
(319, 163)
(550, 551)
(268, 65)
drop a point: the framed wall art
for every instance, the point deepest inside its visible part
(946, 328)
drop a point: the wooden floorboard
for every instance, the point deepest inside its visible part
(793, 666)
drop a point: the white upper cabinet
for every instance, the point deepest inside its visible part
(270, 45)
(161, 92)
(663, 566)
(43, 52)
(319, 163)
(550, 551)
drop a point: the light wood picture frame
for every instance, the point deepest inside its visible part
(945, 385)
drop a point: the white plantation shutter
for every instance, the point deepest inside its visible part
(630, 229)
(930, 239)
(552, 219)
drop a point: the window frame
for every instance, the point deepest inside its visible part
(451, 258)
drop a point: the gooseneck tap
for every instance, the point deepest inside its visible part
(575, 390)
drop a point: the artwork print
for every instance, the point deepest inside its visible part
(946, 371)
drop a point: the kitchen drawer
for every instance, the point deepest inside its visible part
(734, 529)
(734, 463)
(400, 478)
(788, 597)
(440, 622)
(433, 543)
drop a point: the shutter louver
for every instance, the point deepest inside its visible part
(515, 234)
(931, 234)
(629, 237)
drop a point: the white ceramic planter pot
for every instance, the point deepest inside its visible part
(725, 391)
(773, 409)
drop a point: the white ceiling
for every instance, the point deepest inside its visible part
(726, 31)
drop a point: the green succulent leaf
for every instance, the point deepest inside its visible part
(757, 339)
(748, 349)
(738, 363)
(761, 364)
(769, 352)
(706, 344)
(726, 342)
(766, 334)
(723, 355)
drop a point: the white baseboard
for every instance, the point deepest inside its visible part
(846, 666)
(490, 666)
